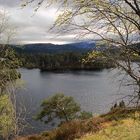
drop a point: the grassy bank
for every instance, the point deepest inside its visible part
(126, 129)
(119, 124)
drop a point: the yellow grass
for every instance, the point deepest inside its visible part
(126, 129)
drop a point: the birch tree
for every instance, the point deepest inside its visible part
(10, 119)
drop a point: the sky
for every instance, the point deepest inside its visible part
(34, 27)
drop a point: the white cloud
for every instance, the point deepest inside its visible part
(33, 28)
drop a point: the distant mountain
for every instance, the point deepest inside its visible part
(53, 48)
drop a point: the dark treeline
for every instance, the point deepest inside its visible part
(64, 61)
(52, 57)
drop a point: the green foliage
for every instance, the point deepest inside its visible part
(8, 74)
(8, 57)
(8, 65)
(6, 116)
(85, 115)
(64, 61)
(59, 106)
(93, 56)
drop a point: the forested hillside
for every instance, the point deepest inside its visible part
(80, 47)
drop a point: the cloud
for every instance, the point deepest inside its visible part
(33, 28)
(10, 3)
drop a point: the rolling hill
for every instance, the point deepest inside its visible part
(53, 48)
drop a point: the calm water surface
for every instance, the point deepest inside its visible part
(95, 91)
